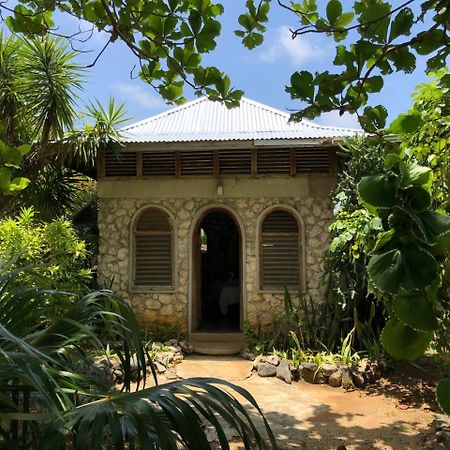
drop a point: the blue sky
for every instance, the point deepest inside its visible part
(262, 73)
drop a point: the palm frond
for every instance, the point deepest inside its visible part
(82, 146)
(49, 84)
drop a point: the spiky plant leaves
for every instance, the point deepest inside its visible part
(72, 411)
(49, 85)
(415, 311)
(403, 342)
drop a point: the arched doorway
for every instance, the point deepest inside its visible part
(217, 271)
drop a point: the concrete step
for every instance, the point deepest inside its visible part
(217, 344)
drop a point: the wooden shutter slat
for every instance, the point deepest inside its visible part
(312, 160)
(274, 161)
(197, 163)
(280, 251)
(235, 162)
(153, 250)
(121, 164)
(158, 163)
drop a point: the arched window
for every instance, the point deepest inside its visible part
(280, 251)
(153, 261)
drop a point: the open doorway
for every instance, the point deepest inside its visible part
(217, 269)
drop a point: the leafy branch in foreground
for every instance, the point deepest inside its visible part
(408, 266)
(50, 397)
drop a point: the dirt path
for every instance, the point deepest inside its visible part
(306, 416)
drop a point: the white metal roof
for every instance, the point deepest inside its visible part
(205, 120)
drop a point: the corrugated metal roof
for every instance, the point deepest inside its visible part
(205, 120)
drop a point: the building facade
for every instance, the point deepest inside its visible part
(207, 214)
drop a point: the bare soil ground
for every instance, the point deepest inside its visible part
(393, 414)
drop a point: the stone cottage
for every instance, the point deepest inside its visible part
(206, 213)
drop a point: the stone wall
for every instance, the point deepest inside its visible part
(115, 216)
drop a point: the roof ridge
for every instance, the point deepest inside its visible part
(165, 113)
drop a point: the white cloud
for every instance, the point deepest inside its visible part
(333, 119)
(140, 95)
(298, 50)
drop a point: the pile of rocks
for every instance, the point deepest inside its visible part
(347, 376)
(165, 356)
(441, 428)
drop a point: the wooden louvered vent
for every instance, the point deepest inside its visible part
(280, 242)
(120, 164)
(197, 163)
(158, 163)
(274, 160)
(312, 160)
(153, 250)
(235, 162)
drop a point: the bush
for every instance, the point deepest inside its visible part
(56, 257)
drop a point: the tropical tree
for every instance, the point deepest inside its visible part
(373, 39)
(39, 81)
(51, 396)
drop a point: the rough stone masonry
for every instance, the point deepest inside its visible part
(171, 308)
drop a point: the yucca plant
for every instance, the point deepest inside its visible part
(49, 398)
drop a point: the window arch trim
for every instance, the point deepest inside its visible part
(302, 247)
(133, 286)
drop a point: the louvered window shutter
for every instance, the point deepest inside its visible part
(280, 248)
(153, 250)
(122, 164)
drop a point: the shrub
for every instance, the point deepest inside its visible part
(55, 255)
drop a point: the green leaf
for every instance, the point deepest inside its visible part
(417, 198)
(401, 26)
(402, 342)
(374, 84)
(344, 20)
(18, 184)
(415, 311)
(302, 86)
(436, 230)
(5, 178)
(443, 395)
(413, 278)
(419, 175)
(429, 42)
(406, 123)
(379, 190)
(377, 16)
(334, 10)
(386, 271)
(374, 118)
(383, 239)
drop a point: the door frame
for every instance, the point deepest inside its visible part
(194, 300)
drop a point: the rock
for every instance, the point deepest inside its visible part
(266, 370)
(311, 374)
(335, 379)
(104, 361)
(173, 349)
(283, 372)
(258, 360)
(160, 368)
(177, 358)
(186, 348)
(328, 369)
(357, 377)
(248, 354)
(118, 374)
(171, 375)
(273, 359)
(170, 342)
(158, 345)
(347, 381)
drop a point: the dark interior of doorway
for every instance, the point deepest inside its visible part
(220, 292)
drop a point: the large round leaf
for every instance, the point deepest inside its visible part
(415, 311)
(420, 268)
(402, 342)
(379, 190)
(437, 230)
(418, 199)
(443, 395)
(386, 271)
